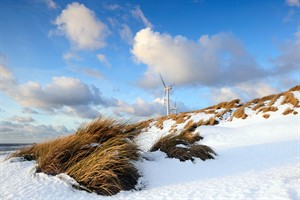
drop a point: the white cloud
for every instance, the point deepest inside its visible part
(141, 108)
(138, 14)
(102, 58)
(289, 59)
(61, 94)
(211, 60)
(293, 2)
(61, 91)
(112, 6)
(7, 79)
(126, 34)
(14, 132)
(80, 25)
(51, 4)
(93, 73)
(245, 91)
(22, 119)
(71, 56)
(223, 94)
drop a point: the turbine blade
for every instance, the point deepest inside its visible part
(162, 80)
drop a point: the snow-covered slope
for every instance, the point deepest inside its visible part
(258, 157)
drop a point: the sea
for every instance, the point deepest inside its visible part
(7, 148)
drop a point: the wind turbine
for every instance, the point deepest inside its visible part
(167, 94)
(175, 108)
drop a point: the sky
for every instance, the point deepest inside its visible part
(65, 63)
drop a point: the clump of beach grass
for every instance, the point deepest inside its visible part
(99, 156)
(183, 147)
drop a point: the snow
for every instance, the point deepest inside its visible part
(257, 158)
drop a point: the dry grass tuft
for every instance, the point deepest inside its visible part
(268, 109)
(109, 169)
(287, 111)
(182, 148)
(295, 112)
(258, 105)
(296, 88)
(291, 99)
(98, 156)
(160, 121)
(240, 113)
(266, 116)
(273, 99)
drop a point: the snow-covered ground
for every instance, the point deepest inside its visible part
(257, 159)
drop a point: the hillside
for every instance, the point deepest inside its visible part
(275, 105)
(232, 150)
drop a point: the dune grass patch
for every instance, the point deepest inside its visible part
(183, 147)
(99, 156)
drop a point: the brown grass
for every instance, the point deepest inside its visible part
(240, 113)
(187, 151)
(160, 121)
(109, 169)
(105, 168)
(258, 105)
(296, 88)
(295, 112)
(287, 111)
(268, 109)
(289, 98)
(273, 99)
(266, 116)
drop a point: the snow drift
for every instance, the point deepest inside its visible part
(258, 157)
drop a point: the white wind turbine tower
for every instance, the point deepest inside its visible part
(167, 94)
(175, 108)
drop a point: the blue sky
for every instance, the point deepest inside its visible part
(64, 63)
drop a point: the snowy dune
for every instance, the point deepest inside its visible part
(258, 158)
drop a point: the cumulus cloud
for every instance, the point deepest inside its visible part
(138, 14)
(61, 95)
(289, 59)
(244, 91)
(223, 94)
(293, 2)
(141, 108)
(14, 132)
(80, 25)
(211, 60)
(22, 119)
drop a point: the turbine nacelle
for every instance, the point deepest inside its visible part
(167, 94)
